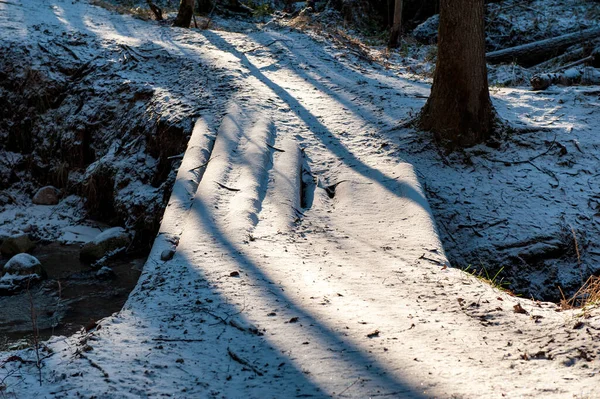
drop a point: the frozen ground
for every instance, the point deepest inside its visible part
(307, 261)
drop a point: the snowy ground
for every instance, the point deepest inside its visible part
(337, 286)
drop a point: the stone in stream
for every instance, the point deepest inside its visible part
(48, 195)
(19, 271)
(105, 273)
(16, 244)
(105, 243)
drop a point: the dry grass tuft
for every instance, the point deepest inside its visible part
(586, 297)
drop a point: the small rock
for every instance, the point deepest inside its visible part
(48, 195)
(23, 265)
(16, 244)
(104, 243)
(167, 254)
(19, 271)
(105, 273)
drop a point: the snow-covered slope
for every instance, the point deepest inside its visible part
(350, 296)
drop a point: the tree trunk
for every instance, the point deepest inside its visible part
(459, 111)
(396, 25)
(184, 16)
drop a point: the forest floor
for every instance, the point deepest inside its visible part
(308, 262)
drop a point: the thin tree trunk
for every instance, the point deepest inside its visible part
(459, 111)
(396, 25)
(156, 10)
(184, 16)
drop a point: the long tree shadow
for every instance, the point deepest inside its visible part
(332, 143)
(339, 75)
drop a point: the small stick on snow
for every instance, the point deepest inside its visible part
(508, 163)
(203, 165)
(242, 361)
(275, 148)
(95, 365)
(68, 50)
(227, 188)
(350, 386)
(266, 45)
(548, 172)
(431, 260)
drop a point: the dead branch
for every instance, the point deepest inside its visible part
(575, 53)
(572, 64)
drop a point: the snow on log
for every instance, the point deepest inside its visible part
(250, 163)
(536, 52)
(573, 76)
(287, 184)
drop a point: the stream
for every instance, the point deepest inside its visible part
(72, 297)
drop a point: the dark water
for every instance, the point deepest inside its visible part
(72, 297)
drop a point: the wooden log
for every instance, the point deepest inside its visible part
(533, 53)
(574, 53)
(573, 76)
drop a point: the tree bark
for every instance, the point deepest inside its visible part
(184, 16)
(532, 53)
(396, 25)
(459, 111)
